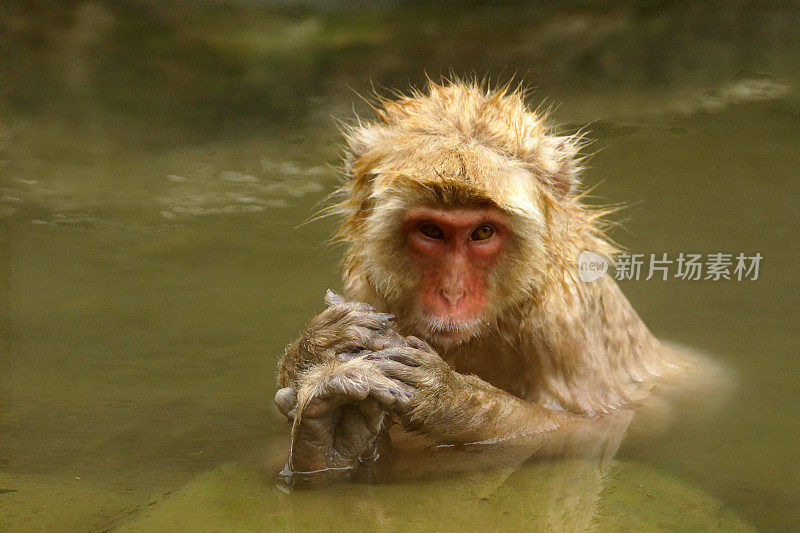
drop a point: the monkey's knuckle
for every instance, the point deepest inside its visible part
(335, 314)
(327, 316)
(373, 324)
(353, 335)
(366, 319)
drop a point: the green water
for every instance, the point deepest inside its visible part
(157, 162)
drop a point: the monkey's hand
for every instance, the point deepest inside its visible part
(457, 408)
(334, 399)
(337, 416)
(343, 327)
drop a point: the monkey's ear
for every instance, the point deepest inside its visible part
(331, 298)
(562, 165)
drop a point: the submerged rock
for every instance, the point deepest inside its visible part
(569, 495)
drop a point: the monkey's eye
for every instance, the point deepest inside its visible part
(432, 231)
(482, 233)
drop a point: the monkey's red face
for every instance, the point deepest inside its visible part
(454, 253)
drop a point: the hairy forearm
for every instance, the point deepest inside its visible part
(467, 409)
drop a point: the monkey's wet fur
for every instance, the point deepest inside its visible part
(464, 318)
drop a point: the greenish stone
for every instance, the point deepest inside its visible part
(562, 495)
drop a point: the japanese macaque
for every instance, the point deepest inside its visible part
(465, 319)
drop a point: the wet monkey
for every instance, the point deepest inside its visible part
(463, 317)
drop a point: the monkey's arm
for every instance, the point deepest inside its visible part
(334, 405)
(456, 408)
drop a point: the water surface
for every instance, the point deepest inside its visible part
(158, 162)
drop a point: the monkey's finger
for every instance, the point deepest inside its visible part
(409, 375)
(354, 430)
(420, 352)
(343, 315)
(391, 339)
(374, 321)
(331, 317)
(370, 339)
(332, 298)
(370, 408)
(335, 391)
(419, 344)
(310, 438)
(402, 404)
(358, 337)
(377, 344)
(397, 353)
(387, 339)
(373, 415)
(285, 400)
(352, 306)
(349, 356)
(391, 393)
(362, 306)
(355, 308)
(349, 386)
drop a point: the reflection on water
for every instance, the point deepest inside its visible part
(158, 161)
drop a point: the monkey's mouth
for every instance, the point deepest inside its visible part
(451, 332)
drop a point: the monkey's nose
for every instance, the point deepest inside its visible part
(453, 295)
